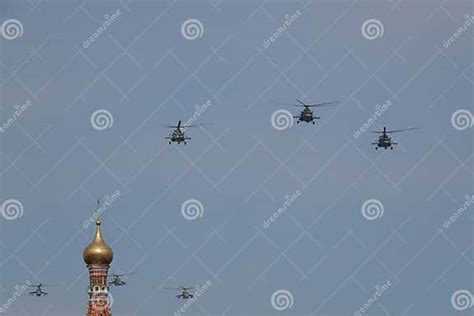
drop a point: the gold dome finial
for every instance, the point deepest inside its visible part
(98, 251)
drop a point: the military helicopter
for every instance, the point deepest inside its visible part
(185, 294)
(177, 136)
(385, 141)
(307, 115)
(37, 291)
(116, 279)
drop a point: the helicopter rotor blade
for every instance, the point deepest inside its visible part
(122, 274)
(301, 102)
(322, 104)
(186, 287)
(43, 285)
(189, 126)
(315, 105)
(185, 126)
(196, 125)
(170, 126)
(395, 131)
(402, 130)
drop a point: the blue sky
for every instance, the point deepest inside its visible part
(93, 125)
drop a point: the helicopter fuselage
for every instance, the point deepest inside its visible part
(306, 116)
(384, 142)
(185, 295)
(117, 282)
(37, 292)
(177, 136)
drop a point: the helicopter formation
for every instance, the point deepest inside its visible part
(117, 280)
(306, 115)
(178, 136)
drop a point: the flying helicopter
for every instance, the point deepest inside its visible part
(116, 279)
(37, 291)
(185, 294)
(385, 141)
(178, 136)
(307, 114)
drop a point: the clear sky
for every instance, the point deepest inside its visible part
(82, 118)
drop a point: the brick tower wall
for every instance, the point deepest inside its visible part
(98, 291)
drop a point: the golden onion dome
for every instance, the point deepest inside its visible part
(98, 252)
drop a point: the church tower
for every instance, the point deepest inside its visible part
(98, 256)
